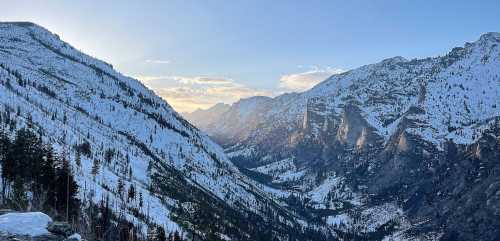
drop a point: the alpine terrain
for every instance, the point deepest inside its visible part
(396, 150)
(89, 146)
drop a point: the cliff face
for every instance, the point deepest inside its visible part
(379, 137)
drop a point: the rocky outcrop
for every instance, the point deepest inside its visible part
(389, 133)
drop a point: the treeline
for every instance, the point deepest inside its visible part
(105, 225)
(34, 177)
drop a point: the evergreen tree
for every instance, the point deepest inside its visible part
(4, 144)
(119, 187)
(24, 156)
(19, 198)
(158, 233)
(78, 159)
(47, 168)
(131, 192)
(66, 190)
(4, 148)
(108, 155)
(95, 168)
(177, 236)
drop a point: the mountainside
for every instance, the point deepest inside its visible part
(205, 117)
(128, 136)
(400, 148)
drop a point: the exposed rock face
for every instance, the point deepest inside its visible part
(397, 135)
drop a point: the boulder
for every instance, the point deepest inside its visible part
(47, 237)
(60, 228)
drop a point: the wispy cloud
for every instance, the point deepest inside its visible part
(203, 80)
(157, 61)
(306, 80)
(188, 93)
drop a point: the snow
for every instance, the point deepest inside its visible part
(75, 236)
(330, 194)
(93, 103)
(320, 193)
(455, 97)
(379, 215)
(458, 90)
(32, 223)
(338, 220)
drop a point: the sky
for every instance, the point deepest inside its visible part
(199, 53)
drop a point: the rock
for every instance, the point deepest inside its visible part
(48, 237)
(5, 211)
(17, 237)
(61, 228)
(74, 237)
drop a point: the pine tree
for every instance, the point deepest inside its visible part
(66, 189)
(4, 144)
(78, 159)
(4, 148)
(19, 198)
(47, 172)
(131, 192)
(24, 157)
(119, 187)
(177, 236)
(108, 155)
(160, 234)
(95, 168)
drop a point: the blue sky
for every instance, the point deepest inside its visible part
(198, 53)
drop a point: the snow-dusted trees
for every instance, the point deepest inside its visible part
(29, 165)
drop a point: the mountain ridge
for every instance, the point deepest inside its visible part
(373, 138)
(187, 182)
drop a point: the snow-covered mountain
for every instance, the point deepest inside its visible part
(206, 117)
(132, 136)
(369, 147)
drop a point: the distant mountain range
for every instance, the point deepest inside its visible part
(132, 137)
(397, 150)
(403, 149)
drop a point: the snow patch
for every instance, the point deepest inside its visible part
(32, 223)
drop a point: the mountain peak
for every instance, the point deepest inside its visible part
(394, 60)
(20, 24)
(72, 99)
(490, 36)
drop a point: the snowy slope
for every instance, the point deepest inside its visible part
(459, 90)
(315, 144)
(73, 99)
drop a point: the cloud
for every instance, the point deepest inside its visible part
(203, 80)
(186, 80)
(157, 61)
(306, 80)
(188, 93)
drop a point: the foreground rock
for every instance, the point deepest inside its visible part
(60, 228)
(34, 226)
